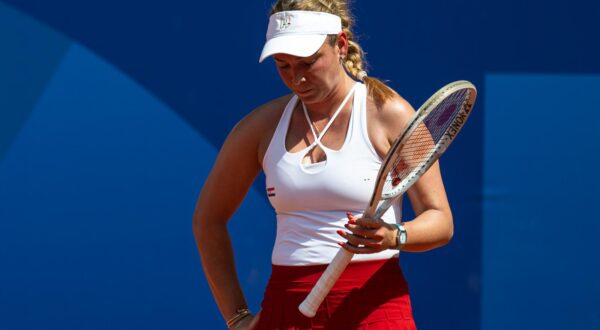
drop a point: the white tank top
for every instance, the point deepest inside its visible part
(311, 200)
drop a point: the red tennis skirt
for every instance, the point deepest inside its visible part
(369, 295)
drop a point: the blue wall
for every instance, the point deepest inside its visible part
(540, 265)
(109, 124)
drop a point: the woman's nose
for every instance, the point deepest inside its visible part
(299, 80)
(299, 77)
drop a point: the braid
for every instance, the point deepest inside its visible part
(354, 63)
(354, 60)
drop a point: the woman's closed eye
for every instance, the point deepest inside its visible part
(310, 61)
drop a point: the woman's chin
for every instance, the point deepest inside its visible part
(308, 96)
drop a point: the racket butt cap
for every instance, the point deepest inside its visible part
(305, 309)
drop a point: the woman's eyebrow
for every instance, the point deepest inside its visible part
(279, 60)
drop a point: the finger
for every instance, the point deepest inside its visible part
(369, 223)
(351, 218)
(362, 241)
(357, 249)
(358, 240)
(364, 232)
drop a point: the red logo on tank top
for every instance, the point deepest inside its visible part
(271, 191)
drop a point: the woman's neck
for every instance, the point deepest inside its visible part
(333, 100)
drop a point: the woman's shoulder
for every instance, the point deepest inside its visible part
(262, 117)
(268, 113)
(391, 108)
(390, 116)
(255, 130)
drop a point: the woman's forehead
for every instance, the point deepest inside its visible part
(281, 57)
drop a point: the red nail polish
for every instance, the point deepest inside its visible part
(341, 233)
(352, 221)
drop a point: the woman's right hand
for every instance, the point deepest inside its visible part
(247, 323)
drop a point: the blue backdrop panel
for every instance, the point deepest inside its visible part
(540, 262)
(85, 153)
(23, 72)
(97, 192)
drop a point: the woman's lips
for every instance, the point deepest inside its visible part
(304, 91)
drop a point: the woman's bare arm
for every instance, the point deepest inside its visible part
(433, 225)
(235, 168)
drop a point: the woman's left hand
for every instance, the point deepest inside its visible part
(368, 235)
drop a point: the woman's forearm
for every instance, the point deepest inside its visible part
(431, 229)
(216, 252)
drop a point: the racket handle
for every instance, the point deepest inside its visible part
(314, 299)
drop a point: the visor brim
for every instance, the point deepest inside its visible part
(296, 45)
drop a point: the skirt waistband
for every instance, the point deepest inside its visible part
(302, 277)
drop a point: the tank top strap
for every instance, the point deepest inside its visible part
(284, 121)
(358, 110)
(276, 148)
(360, 134)
(331, 120)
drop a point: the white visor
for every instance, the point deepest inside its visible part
(299, 33)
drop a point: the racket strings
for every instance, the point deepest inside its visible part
(419, 147)
(439, 119)
(415, 151)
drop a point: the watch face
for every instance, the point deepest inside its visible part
(402, 235)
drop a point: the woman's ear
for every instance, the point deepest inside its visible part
(342, 44)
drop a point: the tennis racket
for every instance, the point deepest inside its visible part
(427, 135)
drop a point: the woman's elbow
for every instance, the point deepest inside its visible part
(449, 232)
(196, 222)
(448, 237)
(199, 224)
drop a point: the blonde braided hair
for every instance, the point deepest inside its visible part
(354, 62)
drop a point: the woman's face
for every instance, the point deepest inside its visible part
(312, 78)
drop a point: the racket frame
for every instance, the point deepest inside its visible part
(380, 201)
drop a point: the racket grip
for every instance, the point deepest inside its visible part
(314, 299)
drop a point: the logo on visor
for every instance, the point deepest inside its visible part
(285, 22)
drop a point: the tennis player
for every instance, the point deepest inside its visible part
(320, 148)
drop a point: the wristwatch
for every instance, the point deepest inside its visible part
(400, 236)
